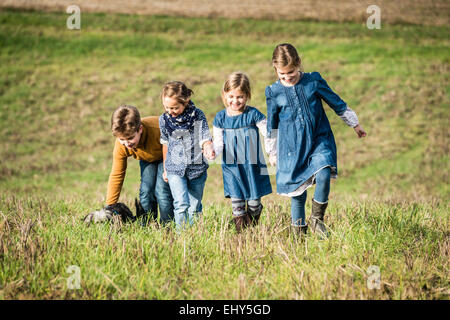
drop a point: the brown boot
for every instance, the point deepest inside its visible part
(316, 219)
(241, 222)
(254, 215)
(300, 231)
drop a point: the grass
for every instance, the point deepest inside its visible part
(388, 208)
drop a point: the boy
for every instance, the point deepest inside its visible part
(140, 138)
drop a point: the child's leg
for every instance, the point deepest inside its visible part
(195, 192)
(147, 188)
(238, 207)
(322, 185)
(320, 202)
(179, 189)
(254, 209)
(163, 196)
(298, 209)
(240, 216)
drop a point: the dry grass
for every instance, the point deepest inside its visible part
(424, 12)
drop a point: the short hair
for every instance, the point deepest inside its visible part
(237, 80)
(285, 55)
(125, 121)
(177, 90)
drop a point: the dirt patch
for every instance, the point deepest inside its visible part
(423, 12)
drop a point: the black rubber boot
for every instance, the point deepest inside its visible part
(316, 219)
(300, 231)
(146, 217)
(254, 215)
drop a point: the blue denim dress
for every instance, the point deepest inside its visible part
(305, 141)
(245, 174)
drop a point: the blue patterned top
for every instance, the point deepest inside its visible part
(184, 155)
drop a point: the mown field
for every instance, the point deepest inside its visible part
(389, 207)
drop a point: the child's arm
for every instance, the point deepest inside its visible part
(117, 175)
(164, 151)
(351, 119)
(272, 114)
(339, 106)
(205, 136)
(218, 142)
(164, 140)
(270, 144)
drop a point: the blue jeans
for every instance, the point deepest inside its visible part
(320, 195)
(155, 191)
(187, 198)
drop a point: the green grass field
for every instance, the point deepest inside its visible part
(389, 207)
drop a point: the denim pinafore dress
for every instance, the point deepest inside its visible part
(245, 174)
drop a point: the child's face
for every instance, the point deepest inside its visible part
(131, 142)
(236, 100)
(173, 106)
(288, 76)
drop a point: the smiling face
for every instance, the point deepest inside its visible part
(288, 76)
(132, 141)
(235, 100)
(172, 106)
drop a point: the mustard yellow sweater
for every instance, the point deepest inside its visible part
(149, 149)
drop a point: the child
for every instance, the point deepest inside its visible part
(139, 138)
(306, 149)
(236, 134)
(184, 132)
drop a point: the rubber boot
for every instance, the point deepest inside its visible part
(316, 219)
(300, 231)
(255, 215)
(146, 217)
(241, 222)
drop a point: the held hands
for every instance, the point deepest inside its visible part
(360, 131)
(273, 160)
(208, 150)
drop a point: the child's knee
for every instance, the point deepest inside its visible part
(323, 176)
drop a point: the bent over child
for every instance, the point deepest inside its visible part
(139, 138)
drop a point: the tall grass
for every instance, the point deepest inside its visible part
(389, 207)
(408, 242)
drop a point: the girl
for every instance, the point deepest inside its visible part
(184, 133)
(306, 147)
(236, 135)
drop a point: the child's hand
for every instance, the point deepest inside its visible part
(208, 151)
(273, 160)
(360, 131)
(165, 176)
